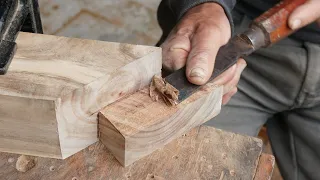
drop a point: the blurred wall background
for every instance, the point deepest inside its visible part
(127, 21)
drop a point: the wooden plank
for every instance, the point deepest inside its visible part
(203, 153)
(265, 167)
(23, 129)
(137, 125)
(55, 87)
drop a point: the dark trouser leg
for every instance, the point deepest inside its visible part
(295, 134)
(295, 140)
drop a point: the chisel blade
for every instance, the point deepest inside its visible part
(227, 56)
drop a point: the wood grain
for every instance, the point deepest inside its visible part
(137, 125)
(66, 81)
(202, 154)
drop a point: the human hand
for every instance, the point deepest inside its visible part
(305, 14)
(195, 41)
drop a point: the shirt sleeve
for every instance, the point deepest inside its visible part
(171, 11)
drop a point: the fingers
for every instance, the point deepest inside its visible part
(230, 86)
(204, 47)
(226, 76)
(195, 41)
(226, 98)
(305, 14)
(175, 49)
(241, 65)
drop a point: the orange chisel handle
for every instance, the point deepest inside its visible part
(274, 22)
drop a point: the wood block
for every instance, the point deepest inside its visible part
(203, 153)
(136, 126)
(55, 86)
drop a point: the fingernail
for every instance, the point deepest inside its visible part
(197, 72)
(295, 24)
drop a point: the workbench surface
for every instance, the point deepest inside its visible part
(203, 153)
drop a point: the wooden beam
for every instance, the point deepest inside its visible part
(55, 87)
(134, 127)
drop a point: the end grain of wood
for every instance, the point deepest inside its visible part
(136, 126)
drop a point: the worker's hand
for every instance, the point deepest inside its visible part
(195, 41)
(305, 14)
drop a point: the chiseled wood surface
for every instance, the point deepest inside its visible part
(136, 126)
(56, 85)
(203, 153)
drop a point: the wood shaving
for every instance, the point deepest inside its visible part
(167, 92)
(25, 163)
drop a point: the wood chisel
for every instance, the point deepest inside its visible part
(265, 30)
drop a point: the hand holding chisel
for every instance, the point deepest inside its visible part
(269, 28)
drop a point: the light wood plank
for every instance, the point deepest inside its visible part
(146, 125)
(76, 77)
(28, 125)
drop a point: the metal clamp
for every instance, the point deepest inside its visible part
(15, 16)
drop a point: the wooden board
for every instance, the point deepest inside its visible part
(55, 87)
(137, 125)
(265, 167)
(202, 154)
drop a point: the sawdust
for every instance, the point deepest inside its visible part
(232, 172)
(25, 163)
(167, 92)
(154, 177)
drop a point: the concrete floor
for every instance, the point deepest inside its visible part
(127, 21)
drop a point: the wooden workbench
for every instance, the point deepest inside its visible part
(203, 153)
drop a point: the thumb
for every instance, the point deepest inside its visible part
(305, 14)
(204, 47)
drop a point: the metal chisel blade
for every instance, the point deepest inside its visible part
(227, 56)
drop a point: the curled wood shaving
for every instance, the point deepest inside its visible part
(167, 92)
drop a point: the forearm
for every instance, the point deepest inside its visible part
(180, 7)
(171, 11)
